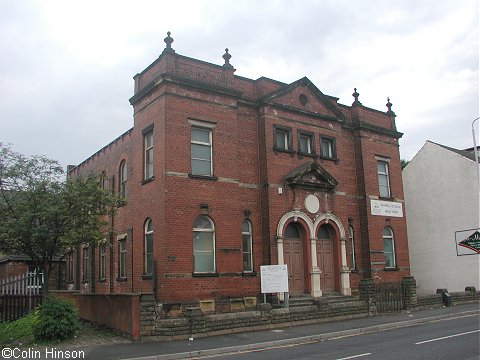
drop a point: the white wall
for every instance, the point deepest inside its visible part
(441, 197)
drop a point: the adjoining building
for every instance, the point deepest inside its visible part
(222, 174)
(442, 207)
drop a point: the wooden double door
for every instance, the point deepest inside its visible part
(293, 250)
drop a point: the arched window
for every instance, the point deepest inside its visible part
(324, 233)
(351, 245)
(122, 179)
(203, 245)
(148, 261)
(292, 231)
(388, 247)
(247, 246)
(103, 180)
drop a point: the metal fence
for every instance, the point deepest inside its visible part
(19, 295)
(389, 297)
(13, 307)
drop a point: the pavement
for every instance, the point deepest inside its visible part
(265, 339)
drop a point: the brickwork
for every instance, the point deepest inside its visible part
(248, 181)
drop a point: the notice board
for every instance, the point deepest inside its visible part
(274, 278)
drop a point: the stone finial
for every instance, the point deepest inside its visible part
(356, 95)
(389, 106)
(168, 40)
(227, 58)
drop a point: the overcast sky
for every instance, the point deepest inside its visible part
(66, 67)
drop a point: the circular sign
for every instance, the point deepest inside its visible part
(312, 204)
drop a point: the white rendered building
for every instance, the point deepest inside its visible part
(442, 209)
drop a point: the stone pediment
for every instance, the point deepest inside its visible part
(311, 176)
(303, 95)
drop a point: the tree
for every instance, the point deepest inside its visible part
(404, 163)
(45, 215)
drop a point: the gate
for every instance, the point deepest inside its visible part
(389, 297)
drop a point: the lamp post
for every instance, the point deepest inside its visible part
(477, 164)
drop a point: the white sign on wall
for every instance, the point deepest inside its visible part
(274, 278)
(386, 208)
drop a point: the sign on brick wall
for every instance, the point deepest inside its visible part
(386, 208)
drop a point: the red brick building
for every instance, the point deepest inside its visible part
(223, 174)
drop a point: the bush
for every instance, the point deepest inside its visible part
(19, 329)
(57, 320)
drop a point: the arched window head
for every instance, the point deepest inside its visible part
(122, 179)
(203, 245)
(148, 248)
(247, 246)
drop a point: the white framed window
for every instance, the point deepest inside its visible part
(148, 155)
(148, 249)
(283, 138)
(201, 151)
(122, 179)
(247, 246)
(327, 147)
(102, 262)
(203, 245)
(351, 243)
(383, 179)
(305, 143)
(122, 257)
(388, 248)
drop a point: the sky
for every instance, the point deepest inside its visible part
(67, 67)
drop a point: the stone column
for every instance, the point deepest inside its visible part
(315, 272)
(344, 269)
(409, 292)
(280, 259)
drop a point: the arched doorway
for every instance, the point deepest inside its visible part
(325, 258)
(293, 257)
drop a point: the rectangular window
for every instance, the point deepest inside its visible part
(283, 138)
(201, 151)
(305, 143)
(383, 179)
(85, 263)
(148, 155)
(122, 258)
(102, 262)
(247, 247)
(327, 147)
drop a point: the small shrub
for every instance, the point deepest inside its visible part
(57, 320)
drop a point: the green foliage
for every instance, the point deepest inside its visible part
(43, 214)
(57, 320)
(18, 329)
(404, 163)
